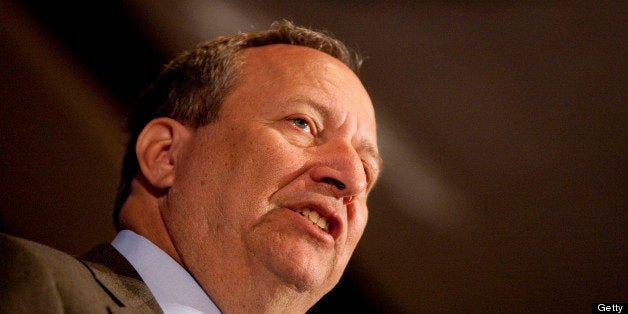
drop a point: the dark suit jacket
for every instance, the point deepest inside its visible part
(38, 279)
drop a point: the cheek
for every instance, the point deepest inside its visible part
(201, 176)
(271, 161)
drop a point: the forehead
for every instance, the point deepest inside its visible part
(286, 57)
(277, 81)
(300, 72)
(280, 79)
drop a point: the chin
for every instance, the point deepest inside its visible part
(304, 268)
(294, 259)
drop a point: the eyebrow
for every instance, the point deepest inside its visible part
(366, 147)
(324, 111)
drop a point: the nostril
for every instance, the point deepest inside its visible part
(341, 186)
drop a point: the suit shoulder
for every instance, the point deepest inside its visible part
(37, 277)
(32, 253)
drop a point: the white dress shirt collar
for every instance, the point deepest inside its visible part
(173, 287)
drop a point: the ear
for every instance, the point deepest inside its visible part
(158, 147)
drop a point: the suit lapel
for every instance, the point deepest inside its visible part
(120, 280)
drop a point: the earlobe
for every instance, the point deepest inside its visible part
(157, 150)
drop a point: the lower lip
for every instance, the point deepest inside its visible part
(310, 227)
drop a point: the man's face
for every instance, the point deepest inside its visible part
(297, 133)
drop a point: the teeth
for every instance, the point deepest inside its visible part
(322, 223)
(314, 217)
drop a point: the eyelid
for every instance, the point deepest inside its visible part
(372, 173)
(311, 122)
(368, 171)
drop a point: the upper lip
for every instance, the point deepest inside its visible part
(331, 212)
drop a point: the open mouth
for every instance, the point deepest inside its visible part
(315, 218)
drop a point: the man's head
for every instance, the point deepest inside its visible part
(191, 87)
(291, 133)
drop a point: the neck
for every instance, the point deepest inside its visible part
(259, 292)
(141, 214)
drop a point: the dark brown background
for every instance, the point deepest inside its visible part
(503, 128)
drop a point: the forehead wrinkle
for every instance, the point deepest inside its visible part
(366, 147)
(324, 111)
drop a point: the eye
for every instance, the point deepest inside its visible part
(371, 173)
(301, 124)
(367, 173)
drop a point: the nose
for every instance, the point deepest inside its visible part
(341, 169)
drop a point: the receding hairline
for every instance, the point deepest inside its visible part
(315, 54)
(369, 149)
